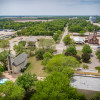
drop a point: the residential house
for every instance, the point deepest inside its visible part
(16, 64)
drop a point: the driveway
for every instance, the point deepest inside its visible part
(94, 62)
(61, 46)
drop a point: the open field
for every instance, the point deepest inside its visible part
(30, 20)
(35, 67)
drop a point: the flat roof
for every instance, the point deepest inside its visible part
(87, 83)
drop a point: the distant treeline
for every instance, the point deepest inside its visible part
(81, 25)
(44, 28)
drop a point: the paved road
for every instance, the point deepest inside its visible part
(60, 47)
(94, 62)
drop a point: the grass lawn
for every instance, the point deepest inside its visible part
(79, 53)
(35, 66)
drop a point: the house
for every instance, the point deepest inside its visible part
(78, 40)
(16, 64)
(92, 39)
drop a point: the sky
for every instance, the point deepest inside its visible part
(49, 7)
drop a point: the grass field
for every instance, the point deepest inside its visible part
(34, 66)
(79, 53)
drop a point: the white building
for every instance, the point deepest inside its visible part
(92, 19)
(78, 40)
(16, 64)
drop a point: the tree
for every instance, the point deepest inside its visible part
(26, 80)
(39, 54)
(67, 40)
(1, 69)
(87, 49)
(10, 91)
(46, 58)
(72, 50)
(55, 37)
(59, 62)
(4, 44)
(98, 68)
(19, 49)
(46, 43)
(31, 47)
(85, 57)
(22, 43)
(56, 87)
(82, 33)
(3, 58)
(85, 66)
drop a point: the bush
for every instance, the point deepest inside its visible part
(98, 54)
(1, 69)
(46, 58)
(77, 57)
(67, 40)
(72, 50)
(98, 68)
(22, 70)
(85, 66)
(95, 97)
(68, 54)
(23, 43)
(39, 54)
(85, 57)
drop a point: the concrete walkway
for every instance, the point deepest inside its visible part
(61, 46)
(94, 62)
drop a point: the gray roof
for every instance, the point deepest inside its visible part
(20, 59)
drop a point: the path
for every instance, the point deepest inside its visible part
(94, 62)
(60, 47)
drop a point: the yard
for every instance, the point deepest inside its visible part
(79, 53)
(34, 66)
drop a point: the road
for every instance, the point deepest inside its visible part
(61, 46)
(94, 61)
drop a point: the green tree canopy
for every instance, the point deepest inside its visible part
(26, 80)
(3, 58)
(72, 50)
(61, 60)
(87, 49)
(46, 43)
(4, 44)
(46, 58)
(19, 49)
(10, 91)
(56, 87)
(67, 40)
(1, 69)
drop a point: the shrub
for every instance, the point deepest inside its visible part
(85, 66)
(23, 43)
(39, 54)
(68, 54)
(95, 97)
(98, 68)
(67, 40)
(77, 57)
(1, 69)
(85, 57)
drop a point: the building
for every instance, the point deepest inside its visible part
(78, 40)
(92, 19)
(92, 38)
(16, 64)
